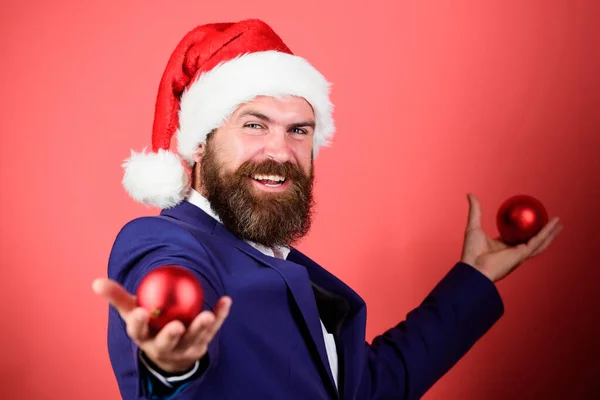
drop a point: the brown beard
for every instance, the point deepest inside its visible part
(270, 219)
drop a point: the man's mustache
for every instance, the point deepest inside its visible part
(271, 167)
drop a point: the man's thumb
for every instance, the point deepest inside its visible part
(474, 218)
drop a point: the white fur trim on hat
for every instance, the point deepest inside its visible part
(215, 95)
(156, 179)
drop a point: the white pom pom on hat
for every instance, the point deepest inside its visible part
(214, 69)
(157, 179)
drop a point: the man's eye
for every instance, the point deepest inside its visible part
(253, 126)
(299, 130)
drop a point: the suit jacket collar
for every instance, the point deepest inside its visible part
(197, 218)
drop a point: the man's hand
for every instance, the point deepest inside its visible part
(174, 349)
(492, 257)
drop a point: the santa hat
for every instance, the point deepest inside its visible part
(213, 70)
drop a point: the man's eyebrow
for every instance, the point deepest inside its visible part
(256, 114)
(310, 124)
(265, 118)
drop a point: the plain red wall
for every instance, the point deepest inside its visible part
(432, 100)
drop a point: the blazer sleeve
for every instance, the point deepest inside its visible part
(405, 361)
(144, 244)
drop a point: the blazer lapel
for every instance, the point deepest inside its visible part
(350, 332)
(298, 281)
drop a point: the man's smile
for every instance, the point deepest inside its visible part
(269, 181)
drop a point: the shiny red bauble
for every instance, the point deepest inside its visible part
(170, 293)
(520, 218)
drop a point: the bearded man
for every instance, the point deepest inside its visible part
(250, 118)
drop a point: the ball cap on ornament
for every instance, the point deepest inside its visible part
(215, 69)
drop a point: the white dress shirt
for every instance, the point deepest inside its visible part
(201, 202)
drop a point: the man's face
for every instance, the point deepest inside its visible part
(257, 171)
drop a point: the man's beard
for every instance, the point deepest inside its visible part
(268, 218)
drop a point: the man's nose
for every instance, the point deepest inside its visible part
(277, 145)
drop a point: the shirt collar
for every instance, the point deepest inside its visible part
(202, 202)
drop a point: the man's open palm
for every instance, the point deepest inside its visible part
(174, 348)
(494, 258)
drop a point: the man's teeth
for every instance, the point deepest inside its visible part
(269, 180)
(275, 178)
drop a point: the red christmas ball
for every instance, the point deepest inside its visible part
(520, 218)
(170, 293)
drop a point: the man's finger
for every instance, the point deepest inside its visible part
(194, 332)
(122, 300)
(167, 339)
(474, 219)
(547, 241)
(137, 325)
(538, 239)
(516, 255)
(221, 312)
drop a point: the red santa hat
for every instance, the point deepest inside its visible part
(213, 70)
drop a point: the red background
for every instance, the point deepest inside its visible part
(432, 100)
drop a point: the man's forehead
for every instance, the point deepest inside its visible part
(284, 102)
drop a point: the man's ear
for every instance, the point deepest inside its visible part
(199, 153)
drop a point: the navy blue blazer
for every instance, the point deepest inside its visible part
(271, 345)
